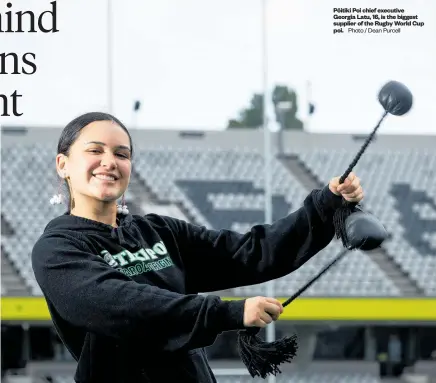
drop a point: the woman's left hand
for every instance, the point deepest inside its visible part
(350, 190)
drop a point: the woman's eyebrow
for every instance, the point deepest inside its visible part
(102, 143)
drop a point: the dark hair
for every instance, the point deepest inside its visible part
(72, 131)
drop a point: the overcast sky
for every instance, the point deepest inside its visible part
(195, 63)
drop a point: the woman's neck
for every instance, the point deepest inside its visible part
(104, 213)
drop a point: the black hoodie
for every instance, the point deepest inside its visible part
(125, 300)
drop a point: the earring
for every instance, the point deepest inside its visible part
(57, 198)
(122, 209)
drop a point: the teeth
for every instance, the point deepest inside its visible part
(104, 177)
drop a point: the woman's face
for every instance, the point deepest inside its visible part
(99, 164)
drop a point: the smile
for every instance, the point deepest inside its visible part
(105, 177)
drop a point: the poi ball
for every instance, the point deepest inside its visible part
(395, 98)
(364, 231)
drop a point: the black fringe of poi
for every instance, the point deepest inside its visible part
(339, 219)
(263, 358)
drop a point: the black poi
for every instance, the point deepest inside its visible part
(358, 230)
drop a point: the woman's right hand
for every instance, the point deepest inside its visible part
(260, 311)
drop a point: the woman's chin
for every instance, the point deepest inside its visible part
(107, 197)
(107, 194)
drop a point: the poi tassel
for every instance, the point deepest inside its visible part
(263, 358)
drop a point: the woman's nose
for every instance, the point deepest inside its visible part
(108, 160)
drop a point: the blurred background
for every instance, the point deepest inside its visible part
(237, 109)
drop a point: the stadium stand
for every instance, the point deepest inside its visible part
(404, 201)
(217, 180)
(223, 188)
(217, 188)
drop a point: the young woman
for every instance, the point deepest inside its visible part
(122, 289)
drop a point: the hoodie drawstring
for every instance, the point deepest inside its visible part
(123, 233)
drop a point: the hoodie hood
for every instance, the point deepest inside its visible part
(127, 233)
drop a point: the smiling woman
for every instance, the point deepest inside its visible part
(113, 280)
(94, 159)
